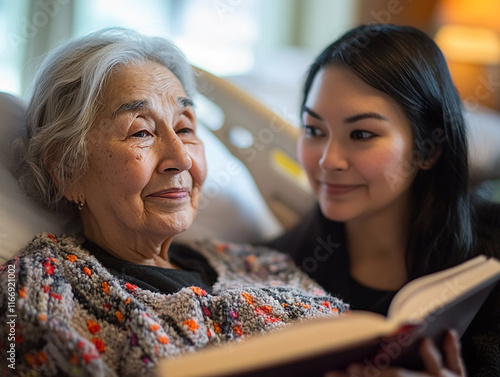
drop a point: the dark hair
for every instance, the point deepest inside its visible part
(406, 64)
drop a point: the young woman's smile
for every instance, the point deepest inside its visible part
(335, 189)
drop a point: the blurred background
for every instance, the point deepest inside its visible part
(264, 46)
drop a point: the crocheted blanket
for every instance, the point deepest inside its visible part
(63, 313)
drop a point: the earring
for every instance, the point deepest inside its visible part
(80, 205)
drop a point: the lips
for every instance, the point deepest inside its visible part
(339, 189)
(171, 193)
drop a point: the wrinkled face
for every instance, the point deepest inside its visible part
(356, 147)
(146, 163)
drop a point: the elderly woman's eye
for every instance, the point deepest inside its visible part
(185, 130)
(141, 134)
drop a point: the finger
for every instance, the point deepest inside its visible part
(452, 351)
(431, 357)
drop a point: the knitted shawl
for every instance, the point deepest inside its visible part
(63, 313)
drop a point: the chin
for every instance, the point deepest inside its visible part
(335, 212)
(176, 222)
(182, 226)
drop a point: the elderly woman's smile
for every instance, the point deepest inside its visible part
(172, 193)
(146, 163)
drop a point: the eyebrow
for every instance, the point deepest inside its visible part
(142, 104)
(370, 115)
(185, 102)
(311, 113)
(351, 119)
(131, 106)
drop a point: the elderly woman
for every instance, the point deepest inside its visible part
(112, 137)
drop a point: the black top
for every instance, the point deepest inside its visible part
(195, 270)
(321, 250)
(318, 245)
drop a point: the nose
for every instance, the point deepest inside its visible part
(334, 156)
(173, 154)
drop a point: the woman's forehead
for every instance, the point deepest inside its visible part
(147, 74)
(141, 81)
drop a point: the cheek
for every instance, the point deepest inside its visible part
(135, 170)
(390, 167)
(116, 171)
(308, 156)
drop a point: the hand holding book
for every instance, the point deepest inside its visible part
(425, 308)
(446, 362)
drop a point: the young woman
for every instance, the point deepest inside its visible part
(384, 145)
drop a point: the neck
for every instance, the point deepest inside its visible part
(132, 247)
(377, 249)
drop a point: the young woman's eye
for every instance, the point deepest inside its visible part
(312, 131)
(361, 135)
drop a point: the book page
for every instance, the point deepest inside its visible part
(293, 342)
(426, 294)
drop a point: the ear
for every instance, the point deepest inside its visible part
(74, 194)
(430, 161)
(72, 191)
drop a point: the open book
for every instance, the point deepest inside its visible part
(426, 306)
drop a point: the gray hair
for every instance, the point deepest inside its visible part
(65, 101)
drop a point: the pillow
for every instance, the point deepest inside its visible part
(229, 195)
(20, 217)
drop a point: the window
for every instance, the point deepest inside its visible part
(218, 35)
(15, 30)
(264, 46)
